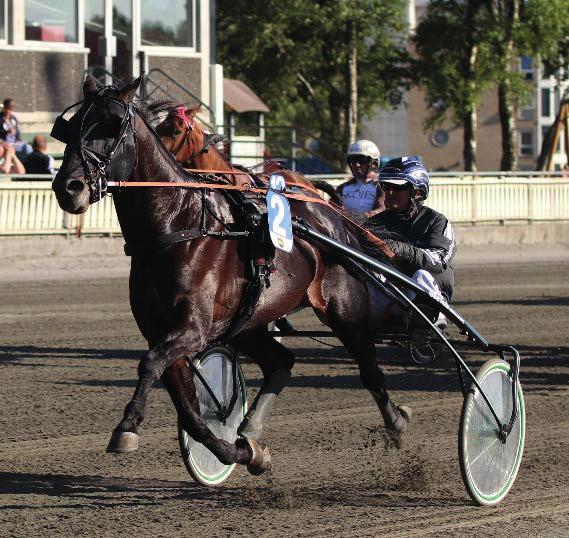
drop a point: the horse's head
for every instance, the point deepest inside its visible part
(100, 140)
(181, 134)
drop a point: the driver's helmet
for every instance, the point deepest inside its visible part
(365, 152)
(404, 170)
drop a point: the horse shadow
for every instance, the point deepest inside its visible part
(15, 354)
(438, 376)
(89, 490)
(270, 494)
(551, 300)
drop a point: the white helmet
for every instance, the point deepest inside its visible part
(368, 150)
(364, 147)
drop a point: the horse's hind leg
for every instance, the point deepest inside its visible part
(276, 363)
(346, 315)
(360, 344)
(179, 382)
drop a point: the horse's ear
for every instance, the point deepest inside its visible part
(127, 93)
(192, 112)
(90, 85)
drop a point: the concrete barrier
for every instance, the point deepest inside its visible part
(512, 233)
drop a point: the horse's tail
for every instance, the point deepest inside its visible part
(330, 190)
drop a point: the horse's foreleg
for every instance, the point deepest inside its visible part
(150, 368)
(179, 382)
(276, 363)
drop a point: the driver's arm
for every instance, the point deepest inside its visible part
(433, 253)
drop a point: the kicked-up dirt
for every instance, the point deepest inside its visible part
(68, 355)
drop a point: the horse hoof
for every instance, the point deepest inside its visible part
(122, 442)
(260, 457)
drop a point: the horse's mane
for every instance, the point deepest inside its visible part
(155, 111)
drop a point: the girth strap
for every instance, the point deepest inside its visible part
(249, 300)
(167, 240)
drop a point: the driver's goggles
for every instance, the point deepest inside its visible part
(358, 159)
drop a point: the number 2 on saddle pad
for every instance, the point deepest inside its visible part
(280, 227)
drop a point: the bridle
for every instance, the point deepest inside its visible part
(189, 123)
(103, 163)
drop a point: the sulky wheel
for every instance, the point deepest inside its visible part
(217, 367)
(488, 463)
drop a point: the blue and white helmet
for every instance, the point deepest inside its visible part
(407, 169)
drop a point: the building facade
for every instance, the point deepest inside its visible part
(47, 46)
(402, 131)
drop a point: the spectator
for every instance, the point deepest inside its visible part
(10, 130)
(9, 162)
(39, 161)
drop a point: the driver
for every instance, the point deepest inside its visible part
(362, 193)
(418, 238)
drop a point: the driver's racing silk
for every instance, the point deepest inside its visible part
(359, 196)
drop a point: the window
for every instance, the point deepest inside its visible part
(526, 112)
(526, 143)
(440, 138)
(526, 67)
(54, 21)
(545, 102)
(168, 23)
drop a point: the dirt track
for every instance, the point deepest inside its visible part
(68, 353)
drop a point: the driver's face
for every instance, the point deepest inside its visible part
(397, 197)
(360, 166)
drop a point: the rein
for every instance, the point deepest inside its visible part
(241, 188)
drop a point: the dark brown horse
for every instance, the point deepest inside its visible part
(185, 295)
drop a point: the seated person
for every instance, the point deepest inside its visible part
(9, 162)
(362, 193)
(39, 162)
(10, 130)
(419, 239)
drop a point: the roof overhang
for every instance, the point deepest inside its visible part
(238, 97)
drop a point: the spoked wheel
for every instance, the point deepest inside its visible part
(489, 465)
(216, 368)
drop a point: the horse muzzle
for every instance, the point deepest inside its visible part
(72, 194)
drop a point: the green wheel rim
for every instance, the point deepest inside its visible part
(202, 465)
(488, 466)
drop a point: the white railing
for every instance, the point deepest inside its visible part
(28, 208)
(511, 196)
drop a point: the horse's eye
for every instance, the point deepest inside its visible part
(177, 133)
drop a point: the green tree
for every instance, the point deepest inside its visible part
(466, 47)
(455, 65)
(320, 64)
(537, 28)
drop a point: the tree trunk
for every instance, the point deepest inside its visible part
(506, 109)
(351, 82)
(470, 125)
(470, 119)
(510, 12)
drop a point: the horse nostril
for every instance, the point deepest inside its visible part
(75, 186)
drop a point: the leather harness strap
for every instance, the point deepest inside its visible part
(220, 186)
(166, 240)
